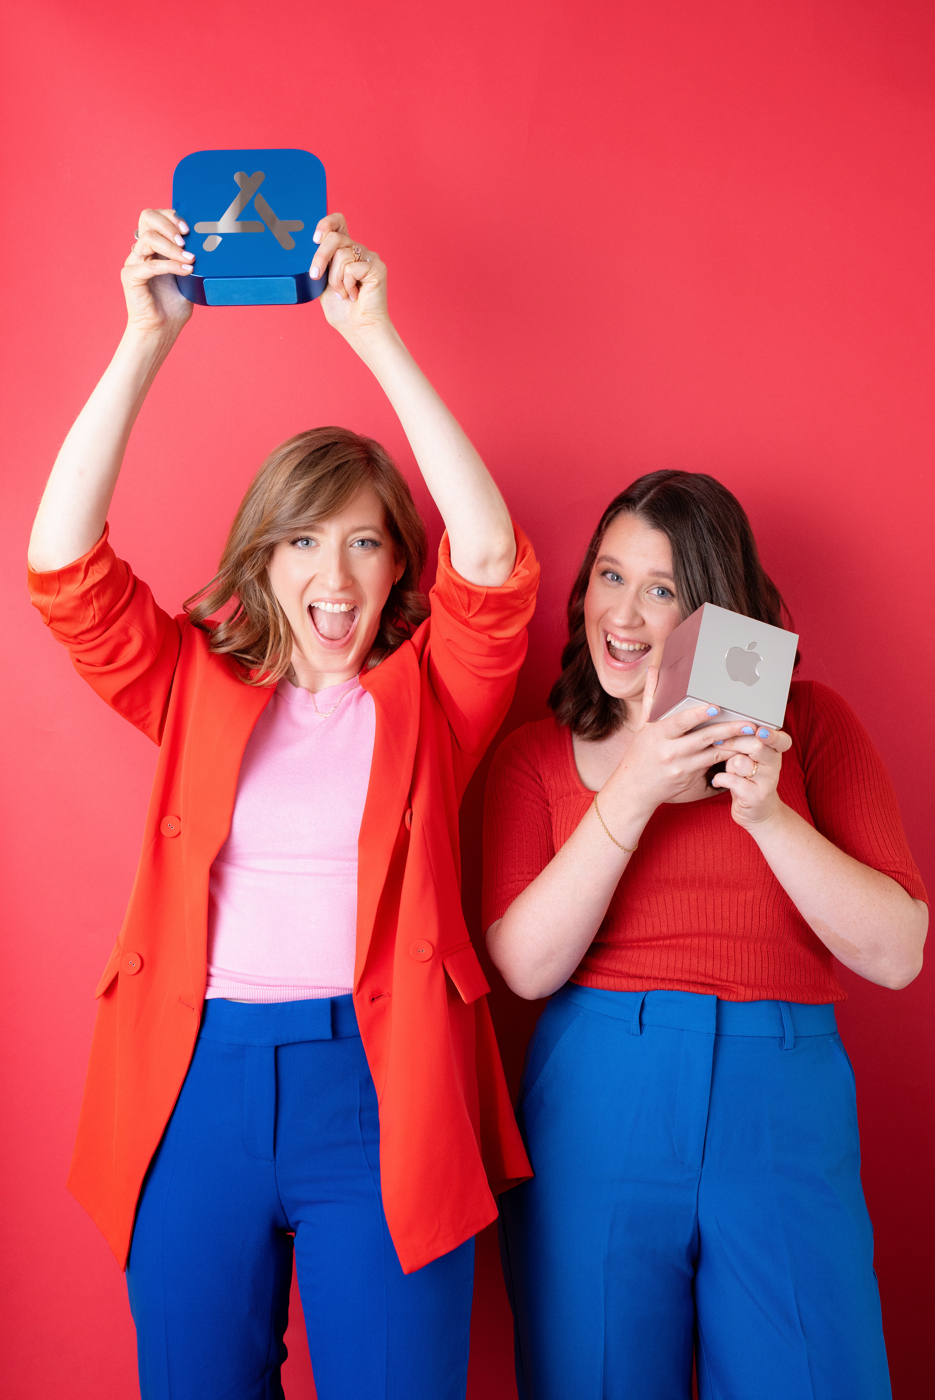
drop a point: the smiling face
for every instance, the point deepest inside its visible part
(630, 606)
(332, 581)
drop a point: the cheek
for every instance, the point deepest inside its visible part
(592, 623)
(287, 575)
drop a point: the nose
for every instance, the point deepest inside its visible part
(626, 612)
(333, 573)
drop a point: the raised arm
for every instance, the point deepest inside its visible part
(483, 550)
(77, 497)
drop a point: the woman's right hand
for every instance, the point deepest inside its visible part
(664, 760)
(155, 306)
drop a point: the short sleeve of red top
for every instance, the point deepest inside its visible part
(698, 909)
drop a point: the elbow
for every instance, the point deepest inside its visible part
(523, 979)
(895, 978)
(528, 988)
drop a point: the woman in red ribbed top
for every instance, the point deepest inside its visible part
(678, 893)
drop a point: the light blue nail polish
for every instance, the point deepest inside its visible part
(718, 743)
(763, 733)
(746, 729)
(712, 709)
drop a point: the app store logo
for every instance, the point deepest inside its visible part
(230, 221)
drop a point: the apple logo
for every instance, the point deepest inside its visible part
(742, 665)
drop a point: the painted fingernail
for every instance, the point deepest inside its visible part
(183, 226)
(180, 240)
(316, 237)
(718, 743)
(746, 729)
(315, 270)
(712, 709)
(190, 257)
(763, 733)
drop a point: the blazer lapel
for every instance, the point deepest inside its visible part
(395, 687)
(222, 718)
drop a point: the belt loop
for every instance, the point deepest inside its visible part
(788, 1033)
(636, 1024)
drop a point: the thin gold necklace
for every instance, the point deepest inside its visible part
(325, 713)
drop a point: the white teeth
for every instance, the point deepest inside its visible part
(627, 646)
(333, 607)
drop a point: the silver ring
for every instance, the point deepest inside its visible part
(357, 250)
(136, 234)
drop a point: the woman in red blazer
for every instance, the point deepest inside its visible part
(214, 1130)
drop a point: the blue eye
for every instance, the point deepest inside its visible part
(367, 543)
(611, 577)
(302, 541)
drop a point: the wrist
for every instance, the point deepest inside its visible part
(773, 824)
(147, 346)
(374, 340)
(622, 820)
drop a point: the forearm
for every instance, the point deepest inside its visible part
(77, 497)
(868, 921)
(483, 549)
(547, 929)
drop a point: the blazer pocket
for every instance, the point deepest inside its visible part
(110, 971)
(464, 969)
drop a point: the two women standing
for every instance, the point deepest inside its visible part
(293, 1042)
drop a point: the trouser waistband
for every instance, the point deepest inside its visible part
(279, 1022)
(694, 1011)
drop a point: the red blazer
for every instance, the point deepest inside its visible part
(448, 1138)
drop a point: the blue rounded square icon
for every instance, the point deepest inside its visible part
(252, 215)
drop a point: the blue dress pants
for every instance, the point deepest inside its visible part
(276, 1133)
(697, 1188)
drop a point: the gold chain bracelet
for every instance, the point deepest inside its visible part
(629, 849)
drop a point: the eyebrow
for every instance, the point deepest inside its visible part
(653, 573)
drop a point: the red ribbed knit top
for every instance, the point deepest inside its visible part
(698, 909)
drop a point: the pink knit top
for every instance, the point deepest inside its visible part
(282, 919)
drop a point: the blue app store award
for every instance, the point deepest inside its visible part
(252, 215)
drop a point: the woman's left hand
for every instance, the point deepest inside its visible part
(355, 298)
(753, 768)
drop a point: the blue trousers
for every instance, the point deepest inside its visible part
(276, 1132)
(697, 1188)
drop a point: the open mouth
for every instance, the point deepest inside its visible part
(624, 651)
(333, 622)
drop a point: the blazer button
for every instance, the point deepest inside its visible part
(131, 963)
(408, 819)
(170, 826)
(421, 950)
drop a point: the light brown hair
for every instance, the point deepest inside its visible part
(308, 478)
(715, 560)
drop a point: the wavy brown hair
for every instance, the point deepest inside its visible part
(715, 560)
(307, 479)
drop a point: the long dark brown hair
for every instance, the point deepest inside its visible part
(715, 560)
(307, 479)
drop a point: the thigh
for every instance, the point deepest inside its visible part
(210, 1263)
(788, 1307)
(374, 1332)
(598, 1248)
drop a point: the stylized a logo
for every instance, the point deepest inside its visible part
(230, 222)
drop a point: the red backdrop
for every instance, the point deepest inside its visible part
(621, 236)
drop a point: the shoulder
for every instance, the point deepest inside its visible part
(815, 707)
(828, 734)
(535, 750)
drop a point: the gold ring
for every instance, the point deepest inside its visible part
(755, 767)
(357, 250)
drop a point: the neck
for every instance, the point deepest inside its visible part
(306, 677)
